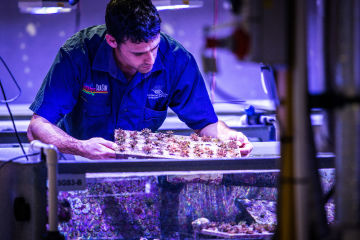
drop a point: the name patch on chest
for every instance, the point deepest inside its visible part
(156, 94)
(98, 89)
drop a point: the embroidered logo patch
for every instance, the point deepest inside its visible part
(157, 93)
(99, 88)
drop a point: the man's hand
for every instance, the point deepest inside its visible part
(94, 148)
(223, 132)
(246, 147)
(98, 148)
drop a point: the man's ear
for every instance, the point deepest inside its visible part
(111, 41)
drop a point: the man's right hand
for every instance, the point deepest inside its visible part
(94, 148)
(98, 148)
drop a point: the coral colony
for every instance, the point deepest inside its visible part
(169, 145)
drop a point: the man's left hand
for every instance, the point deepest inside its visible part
(246, 146)
(223, 132)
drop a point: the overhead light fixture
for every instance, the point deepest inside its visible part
(46, 6)
(176, 4)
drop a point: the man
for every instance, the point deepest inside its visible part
(122, 75)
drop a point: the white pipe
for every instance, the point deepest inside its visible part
(51, 163)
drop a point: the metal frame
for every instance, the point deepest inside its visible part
(158, 165)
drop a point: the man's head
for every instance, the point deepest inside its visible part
(134, 20)
(133, 30)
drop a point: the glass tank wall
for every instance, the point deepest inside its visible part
(234, 204)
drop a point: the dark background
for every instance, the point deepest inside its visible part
(29, 43)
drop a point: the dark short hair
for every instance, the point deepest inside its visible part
(135, 20)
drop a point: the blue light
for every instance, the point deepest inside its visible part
(172, 7)
(48, 10)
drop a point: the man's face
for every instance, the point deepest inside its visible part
(137, 57)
